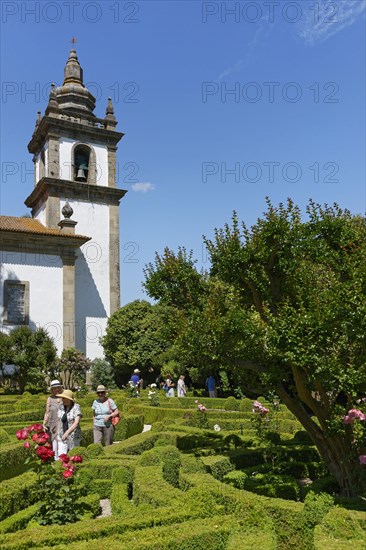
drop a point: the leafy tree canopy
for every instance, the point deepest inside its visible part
(138, 335)
(285, 301)
(102, 373)
(34, 354)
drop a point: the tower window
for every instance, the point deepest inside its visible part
(81, 163)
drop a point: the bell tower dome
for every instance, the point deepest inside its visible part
(74, 154)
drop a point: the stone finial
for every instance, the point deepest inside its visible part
(67, 225)
(67, 210)
(110, 108)
(52, 103)
(110, 119)
(73, 73)
(39, 118)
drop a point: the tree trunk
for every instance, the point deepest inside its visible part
(333, 449)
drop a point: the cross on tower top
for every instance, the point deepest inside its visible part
(73, 40)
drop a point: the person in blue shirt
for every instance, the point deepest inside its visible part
(104, 409)
(135, 378)
(211, 386)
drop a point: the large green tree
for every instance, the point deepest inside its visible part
(295, 316)
(33, 353)
(139, 335)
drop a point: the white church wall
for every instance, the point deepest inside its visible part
(45, 148)
(40, 214)
(36, 165)
(44, 274)
(101, 153)
(92, 305)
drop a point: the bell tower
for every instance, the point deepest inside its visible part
(74, 155)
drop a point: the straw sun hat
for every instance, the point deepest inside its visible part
(67, 394)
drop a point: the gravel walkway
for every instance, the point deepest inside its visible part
(105, 505)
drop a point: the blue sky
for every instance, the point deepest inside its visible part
(292, 126)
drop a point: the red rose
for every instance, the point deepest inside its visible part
(64, 458)
(67, 473)
(21, 434)
(36, 428)
(40, 437)
(44, 454)
(26, 445)
(76, 458)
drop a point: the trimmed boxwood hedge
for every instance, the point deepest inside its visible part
(18, 493)
(12, 457)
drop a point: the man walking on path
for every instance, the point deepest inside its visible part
(211, 386)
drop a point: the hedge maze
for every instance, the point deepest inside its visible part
(181, 486)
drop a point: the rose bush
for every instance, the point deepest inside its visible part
(58, 489)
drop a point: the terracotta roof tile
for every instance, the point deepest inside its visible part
(30, 225)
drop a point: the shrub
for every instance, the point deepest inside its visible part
(273, 437)
(120, 498)
(122, 475)
(301, 437)
(231, 404)
(137, 444)
(236, 478)
(95, 449)
(4, 437)
(150, 457)
(326, 484)
(315, 508)
(232, 440)
(12, 458)
(19, 520)
(17, 493)
(171, 464)
(130, 425)
(217, 466)
(245, 405)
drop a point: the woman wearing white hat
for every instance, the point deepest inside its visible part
(52, 406)
(104, 411)
(68, 428)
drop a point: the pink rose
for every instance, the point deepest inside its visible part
(362, 459)
(26, 445)
(67, 473)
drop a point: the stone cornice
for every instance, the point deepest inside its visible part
(55, 187)
(80, 128)
(58, 245)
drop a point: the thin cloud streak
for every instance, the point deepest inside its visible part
(332, 18)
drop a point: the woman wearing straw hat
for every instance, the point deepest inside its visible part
(68, 428)
(104, 409)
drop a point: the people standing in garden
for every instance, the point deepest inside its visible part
(136, 380)
(104, 410)
(51, 415)
(211, 386)
(68, 425)
(169, 386)
(181, 387)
